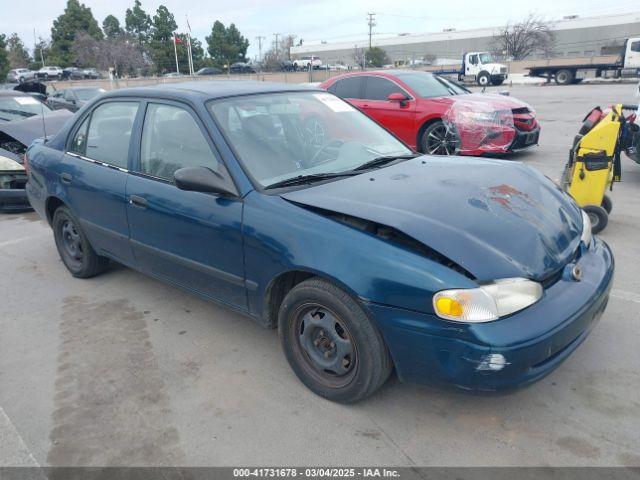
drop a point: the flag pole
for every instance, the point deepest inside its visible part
(191, 67)
(175, 51)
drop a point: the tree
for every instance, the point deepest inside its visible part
(161, 42)
(138, 23)
(226, 45)
(120, 53)
(377, 57)
(76, 18)
(111, 27)
(18, 54)
(273, 57)
(4, 57)
(519, 40)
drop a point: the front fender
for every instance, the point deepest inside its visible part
(281, 236)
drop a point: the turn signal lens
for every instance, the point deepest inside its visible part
(488, 302)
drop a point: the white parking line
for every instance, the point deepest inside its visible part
(13, 445)
(624, 295)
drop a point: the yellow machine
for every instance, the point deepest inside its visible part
(594, 160)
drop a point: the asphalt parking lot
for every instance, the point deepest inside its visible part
(124, 370)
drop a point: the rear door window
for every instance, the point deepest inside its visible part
(110, 132)
(350, 87)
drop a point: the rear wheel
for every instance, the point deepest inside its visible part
(438, 140)
(564, 77)
(598, 216)
(73, 246)
(330, 342)
(607, 204)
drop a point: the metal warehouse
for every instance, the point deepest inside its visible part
(574, 37)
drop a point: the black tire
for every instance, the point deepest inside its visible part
(330, 342)
(46, 77)
(73, 246)
(484, 79)
(436, 140)
(598, 216)
(564, 77)
(607, 204)
(21, 80)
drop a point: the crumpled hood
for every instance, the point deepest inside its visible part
(27, 130)
(497, 219)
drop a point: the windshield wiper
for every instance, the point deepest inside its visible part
(314, 177)
(17, 112)
(379, 161)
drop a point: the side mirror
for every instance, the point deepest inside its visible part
(202, 179)
(399, 97)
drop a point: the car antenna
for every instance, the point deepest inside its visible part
(44, 124)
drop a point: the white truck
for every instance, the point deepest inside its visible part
(479, 67)
(627, 65)
(303, 63)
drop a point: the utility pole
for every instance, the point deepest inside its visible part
(276, 35)
(35, 45)
(372, 23)
(260, 38)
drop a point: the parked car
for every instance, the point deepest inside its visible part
(73, 73)
(303, 63)
(36, 89)
(73, 98)
(46, 73)
(21, 122)
(92, 73)
(241, 67)
(20, 75)
(209, 71)
(479, 273)
(412, 105)
(174, 75)
(286, 66)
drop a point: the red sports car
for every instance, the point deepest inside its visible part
(434, 115)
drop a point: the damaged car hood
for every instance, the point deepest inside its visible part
(496, 219)
(27, 130)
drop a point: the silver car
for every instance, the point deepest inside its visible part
(20, 75)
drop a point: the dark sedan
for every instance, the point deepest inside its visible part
(73, 98)
(366, 257)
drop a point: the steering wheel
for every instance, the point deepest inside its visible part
(331, 144)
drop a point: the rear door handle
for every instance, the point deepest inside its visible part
(137, 201)
(66, 178)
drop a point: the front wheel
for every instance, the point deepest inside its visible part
(598, 216)
(73, 246)
(564, 77)
(438, 140)
(484, 79)
(330, 342)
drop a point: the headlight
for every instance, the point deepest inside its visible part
(470, 116)
(586, 228)
(487, 303)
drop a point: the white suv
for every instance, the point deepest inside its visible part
(304, 62)
(50, 72)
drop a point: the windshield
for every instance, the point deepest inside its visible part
(485, 58)
(427, 85)
(286, 135)
(88, 93)
(19, 108)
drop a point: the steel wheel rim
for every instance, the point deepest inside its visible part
(595, 219)
(438, 142)
(71, 242)
(484, 80)
(324, 345)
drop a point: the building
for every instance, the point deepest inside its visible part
(574, 37)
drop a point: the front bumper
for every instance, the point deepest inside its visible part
(533, 342)
(14, 200)
(524, 140)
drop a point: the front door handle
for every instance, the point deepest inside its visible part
(137, 201)
(66, 178)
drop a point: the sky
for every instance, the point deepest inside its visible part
(312, 20)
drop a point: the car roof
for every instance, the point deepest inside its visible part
(13, 93)
(210, 89)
